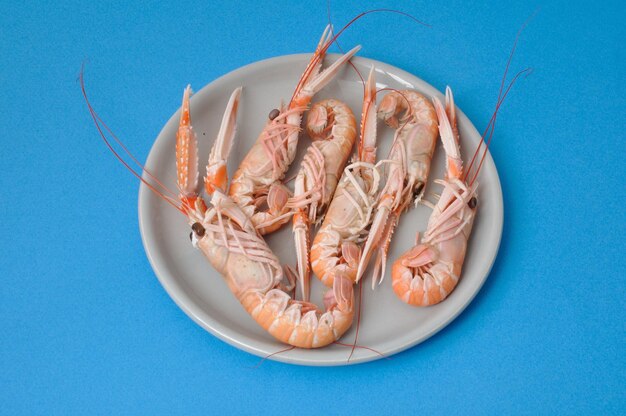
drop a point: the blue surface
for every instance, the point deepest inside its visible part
(87, 329)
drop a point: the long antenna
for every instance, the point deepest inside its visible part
(100, 124)
(491, 125)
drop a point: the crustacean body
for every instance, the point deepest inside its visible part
(332, 127)
(428, 272)
(415, 121)
(336, 247)
(227, 237)
(257, 184)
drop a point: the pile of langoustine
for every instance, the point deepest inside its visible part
(359, 213)
(357, 207)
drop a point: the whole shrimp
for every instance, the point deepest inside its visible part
(427, 273)
(256, 185)
(332, 127)
(229, 240)
(335, 250)
(415, 121)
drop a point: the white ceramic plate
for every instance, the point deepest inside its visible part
(387, 324)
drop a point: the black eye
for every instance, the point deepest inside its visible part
(472, 202)
(198, 229)
(273, 114)
(418, 189)
(190, 236)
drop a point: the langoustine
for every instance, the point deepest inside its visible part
(427, 273)
(332, 128)
(336, 247)
(415, 121)
(256, 185)
(227, 237)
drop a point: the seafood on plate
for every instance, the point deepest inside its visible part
(332, 128)
(336, 248)
(428, 272)
(227, 237)
(408, 166)
(357, 218)
(257, 184)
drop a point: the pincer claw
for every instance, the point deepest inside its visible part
(216, 172)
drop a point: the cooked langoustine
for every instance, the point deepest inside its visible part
(335, 250)
(428, 272)
(332, 127)
(256, 185)
(229, 240)
(415, 121)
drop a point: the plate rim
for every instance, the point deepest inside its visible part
(213, 326)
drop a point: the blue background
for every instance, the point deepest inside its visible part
(86, 327)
